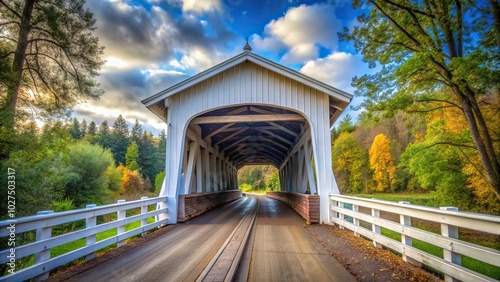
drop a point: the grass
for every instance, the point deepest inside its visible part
(246, 188)
(70, 246)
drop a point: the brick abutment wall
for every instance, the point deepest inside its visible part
(305, 205)
(192, 205)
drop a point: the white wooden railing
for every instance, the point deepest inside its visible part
(44, 221)
(345, 213)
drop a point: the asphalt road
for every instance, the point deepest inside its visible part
(283, 250)
(180, 255)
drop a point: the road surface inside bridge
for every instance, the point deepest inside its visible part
(283, 250)
(179, 255)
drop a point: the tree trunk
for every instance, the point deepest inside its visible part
(486, 159)
(14, 85)
(7, 118)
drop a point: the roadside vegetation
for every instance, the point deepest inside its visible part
(258, 179)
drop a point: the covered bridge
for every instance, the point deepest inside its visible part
(247, 111)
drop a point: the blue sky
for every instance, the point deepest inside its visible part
(153, 44)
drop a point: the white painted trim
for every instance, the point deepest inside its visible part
(247, 118)
(258, 60)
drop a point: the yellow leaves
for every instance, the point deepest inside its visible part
(382, 163)
(131, 181)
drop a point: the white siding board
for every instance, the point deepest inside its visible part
(265, 85)
(251, 84)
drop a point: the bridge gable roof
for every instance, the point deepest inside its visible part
(333, 92)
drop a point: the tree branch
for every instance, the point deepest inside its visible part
(53, 59)
(31, 74)
(438, 100)
(10, 9)
(76, 73)
(395, 43)
(415, 21)
(399, 27)
(430, 110)
(451, 144)
(473, 165)
(9, 22)
(409, 9)
(8, 38)
(8, 54)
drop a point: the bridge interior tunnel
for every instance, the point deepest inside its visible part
(220, 142)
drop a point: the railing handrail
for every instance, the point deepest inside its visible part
(483, 222)
(33, 222)
(43, 224)
(31, 218)
(448, 240)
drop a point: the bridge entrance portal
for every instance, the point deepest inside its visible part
(247, 110)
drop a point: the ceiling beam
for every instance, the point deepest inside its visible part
(257, 156)
(281, 127)
(248, 151)
(275, 143)
(247, 118)
(272, 134)
(235, 143)
(219, 130)
(232, 135)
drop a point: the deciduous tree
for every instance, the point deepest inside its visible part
(382, 163)
(427, 47)
(349, 164)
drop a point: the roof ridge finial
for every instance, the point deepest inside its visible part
(247, 47)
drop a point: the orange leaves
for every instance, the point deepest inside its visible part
(131, 181)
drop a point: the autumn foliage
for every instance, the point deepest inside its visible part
(382, 163)
(131, 181)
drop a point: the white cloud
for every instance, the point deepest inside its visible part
(337, 69)
(303, 30)
(200, 59)
(197, 6)
(269, 43)
(152, 72)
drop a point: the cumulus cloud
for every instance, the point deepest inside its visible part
(124, 92)
(138, 37)
(133, 36)
(197, 6)
(302, 30)
(151, 47)
(337, 69)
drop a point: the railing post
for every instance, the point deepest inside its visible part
(41, 234)
(121, 214)
(355, 220)
(375, 227)
(406, 240)
(144, 209)
(341, 215)
(91, 239)
(335, 204)
(450, 231)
